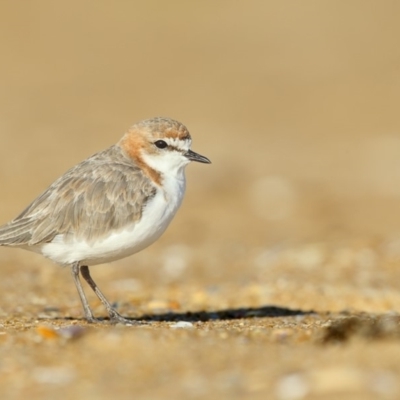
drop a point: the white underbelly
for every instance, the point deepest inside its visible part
(119, 244)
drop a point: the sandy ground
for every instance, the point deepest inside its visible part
(280, 276)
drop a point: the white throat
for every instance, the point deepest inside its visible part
(171, 163)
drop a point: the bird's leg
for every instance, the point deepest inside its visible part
(88, 312)
(114, 315)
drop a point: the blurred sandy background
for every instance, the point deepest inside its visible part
(295, 103)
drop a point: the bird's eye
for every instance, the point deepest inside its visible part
(161, 144)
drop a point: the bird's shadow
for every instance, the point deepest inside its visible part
(223, 315)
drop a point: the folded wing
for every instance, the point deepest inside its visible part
(99, 195)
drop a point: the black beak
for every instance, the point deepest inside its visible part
(192, 156)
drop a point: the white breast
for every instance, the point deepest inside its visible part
(156, 216)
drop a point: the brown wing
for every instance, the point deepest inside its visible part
(99, 195)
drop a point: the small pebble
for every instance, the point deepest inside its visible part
(47, 332)
(182, 325)
(71, 332)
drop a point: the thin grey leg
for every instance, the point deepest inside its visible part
(88, 312)
(114, 315)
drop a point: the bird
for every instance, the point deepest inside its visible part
(111, 205)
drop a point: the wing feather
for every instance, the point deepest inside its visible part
(99, 195)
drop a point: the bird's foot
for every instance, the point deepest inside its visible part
(117, 318)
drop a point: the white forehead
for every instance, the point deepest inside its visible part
(179, 144)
